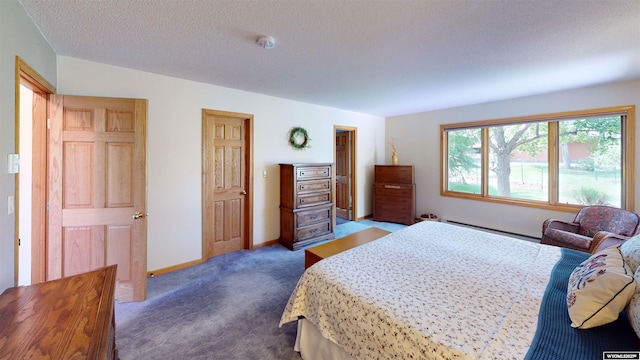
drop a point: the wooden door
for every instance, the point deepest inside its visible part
(97, 190)
(343, 174)
(224, 182)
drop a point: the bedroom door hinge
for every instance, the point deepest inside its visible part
(46, 206)
(48, 123)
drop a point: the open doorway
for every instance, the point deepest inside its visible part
(104, 223)
(32, 92)
(345, 165)
(24, 186)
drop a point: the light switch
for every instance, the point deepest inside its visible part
(11, 205)
(13, 163)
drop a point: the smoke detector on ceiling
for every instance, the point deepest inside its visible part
(266, 42)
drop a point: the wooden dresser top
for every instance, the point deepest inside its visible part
(66, 318)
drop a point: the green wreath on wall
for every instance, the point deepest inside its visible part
(299, 138)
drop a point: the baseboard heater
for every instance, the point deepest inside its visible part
(524, 237)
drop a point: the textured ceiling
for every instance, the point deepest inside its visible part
(379, 57)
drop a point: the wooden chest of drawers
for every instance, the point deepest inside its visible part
(68, 318)
(306, 204)
(394, 194)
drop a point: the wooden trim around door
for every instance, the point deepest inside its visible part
(248, 139)
(27, 76)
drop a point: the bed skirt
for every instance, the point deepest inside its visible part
(313, 346)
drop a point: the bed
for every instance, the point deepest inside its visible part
(439, 291)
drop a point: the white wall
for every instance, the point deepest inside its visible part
(18, 36)
(420, 145)
(174, 148)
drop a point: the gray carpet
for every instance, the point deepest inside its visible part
(226, 308)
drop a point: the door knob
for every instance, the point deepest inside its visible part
(243, 192)
(137, 216)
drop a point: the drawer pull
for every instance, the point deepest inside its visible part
(392, 187)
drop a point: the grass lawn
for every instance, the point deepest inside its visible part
(530, 181)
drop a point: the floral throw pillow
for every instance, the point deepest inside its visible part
(630, 250)
(599, 289)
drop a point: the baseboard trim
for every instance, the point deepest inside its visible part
(173, 268)
(169, 269)
(267, 243)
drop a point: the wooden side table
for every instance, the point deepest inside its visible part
(323, 251)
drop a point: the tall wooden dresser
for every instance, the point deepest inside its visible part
(67, 318)
(306, 204)
(394, 194)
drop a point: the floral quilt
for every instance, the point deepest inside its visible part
(429, 291)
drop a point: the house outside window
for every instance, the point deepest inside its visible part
(561, 161)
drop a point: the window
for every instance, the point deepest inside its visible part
(559, 161)
(464, 161)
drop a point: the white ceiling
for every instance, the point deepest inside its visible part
(379, 57)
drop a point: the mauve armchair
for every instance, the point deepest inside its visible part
(595, 227)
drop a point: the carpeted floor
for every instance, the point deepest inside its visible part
(226, 308)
